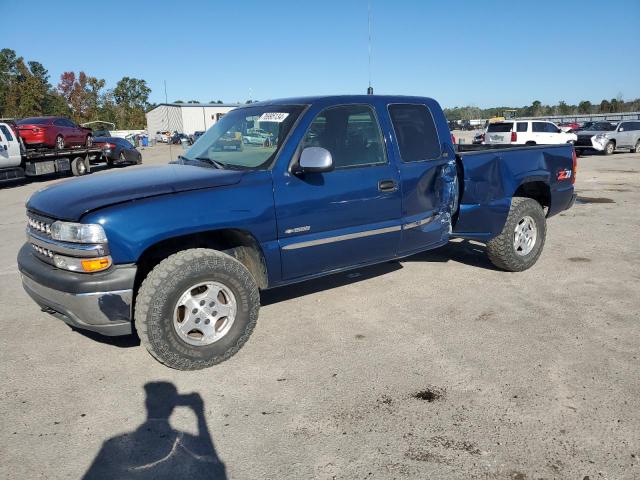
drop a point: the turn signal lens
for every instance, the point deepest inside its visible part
(96, 264)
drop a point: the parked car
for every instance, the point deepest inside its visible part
(478, 138)
(607, 138)
(183, 250)
(118, 151)
(53, 132)
(569, 127)
(163, 137)
(527, 132)
(196, 135)
(257, 137)
(177, 138)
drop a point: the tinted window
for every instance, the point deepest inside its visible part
(551, 128)
(7, 133)
(634, 125)
(416, 132)
(500, 127)
(522, 126)
(69, 123)
(350, 132)
(59, 123)
(127, 144)
(539, 126)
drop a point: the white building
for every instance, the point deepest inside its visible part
(185, 117)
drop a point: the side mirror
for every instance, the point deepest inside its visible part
(621, 129)
(315, 160)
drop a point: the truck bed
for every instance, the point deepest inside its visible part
(490, 175)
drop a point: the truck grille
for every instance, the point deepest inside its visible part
(39, 225)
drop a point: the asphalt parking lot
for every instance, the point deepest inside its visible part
(438, 366)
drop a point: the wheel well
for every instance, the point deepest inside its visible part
(239, 244)
(538, 191)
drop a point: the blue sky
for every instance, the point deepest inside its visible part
(484, 53)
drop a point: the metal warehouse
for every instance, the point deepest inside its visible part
(185, 117)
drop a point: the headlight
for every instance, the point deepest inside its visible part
(601, 136)
(78, 232)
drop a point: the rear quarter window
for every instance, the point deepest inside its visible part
(416, 132)
(500, 127)
(7, 133)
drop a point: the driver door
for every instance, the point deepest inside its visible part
(344, 217)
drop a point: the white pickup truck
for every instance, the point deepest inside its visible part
(527, 132)
(17, 162)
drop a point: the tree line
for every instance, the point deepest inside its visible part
(25, 91)
(537, 109)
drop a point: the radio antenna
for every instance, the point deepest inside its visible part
(370, 88)
(167, 118)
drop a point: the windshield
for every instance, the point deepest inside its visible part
(245, 138)
(602, 126)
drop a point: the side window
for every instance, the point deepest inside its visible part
(351, 133)
(539, 127)
(416, 132)
(59, 122)
(522, 126)
(69, 123)
(7, 133)
(127, 144)
(551, 128)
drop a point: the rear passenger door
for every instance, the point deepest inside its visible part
(624, 137)
(426, 188)
(539, 132)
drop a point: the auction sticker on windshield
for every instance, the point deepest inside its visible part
(273, 117)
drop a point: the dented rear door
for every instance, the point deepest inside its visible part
(428, 178)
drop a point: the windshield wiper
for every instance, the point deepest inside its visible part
(213, 162)
(210, 161)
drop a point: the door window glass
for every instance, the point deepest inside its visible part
(351, 134)
(551, 128)
(539, 126)
(522, 126)
(416, 132)
(7, 133)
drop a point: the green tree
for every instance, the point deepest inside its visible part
(131, 97)
(25, 92)
(584, 106)
(605, 107)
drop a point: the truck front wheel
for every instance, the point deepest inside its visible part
(196, 308)
(520, 243)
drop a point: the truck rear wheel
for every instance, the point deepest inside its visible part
(520, 243)
(196, 308)
(80, 166)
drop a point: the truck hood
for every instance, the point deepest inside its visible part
(71, 199)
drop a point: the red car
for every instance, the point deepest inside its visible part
(53, 132)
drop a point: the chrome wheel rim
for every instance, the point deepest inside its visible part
(60, 143)
(89, 141)
(204, 313)
(525, 236)
(610, 148)
(82, 168)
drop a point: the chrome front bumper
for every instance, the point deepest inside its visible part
(108, 313)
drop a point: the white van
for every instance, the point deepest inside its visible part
(527, 132)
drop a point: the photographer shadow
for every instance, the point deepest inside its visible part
(155, 450)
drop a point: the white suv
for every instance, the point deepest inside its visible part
(527, 132)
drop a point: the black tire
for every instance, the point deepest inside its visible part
(122, 158)
(161, 291)
(59, 142)
(636, 149)
(609, 148)
(80, 166)
(501, 250)
(530, 143)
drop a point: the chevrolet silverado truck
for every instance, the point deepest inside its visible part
(179, 253)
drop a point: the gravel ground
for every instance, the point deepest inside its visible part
(438, 366)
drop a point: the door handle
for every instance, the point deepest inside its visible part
(387, 186)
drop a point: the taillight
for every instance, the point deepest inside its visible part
(574, 166)
(514, 137)
(453, 138)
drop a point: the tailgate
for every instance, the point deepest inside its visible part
(499, 132)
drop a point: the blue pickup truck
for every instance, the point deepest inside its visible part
(180, 252)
